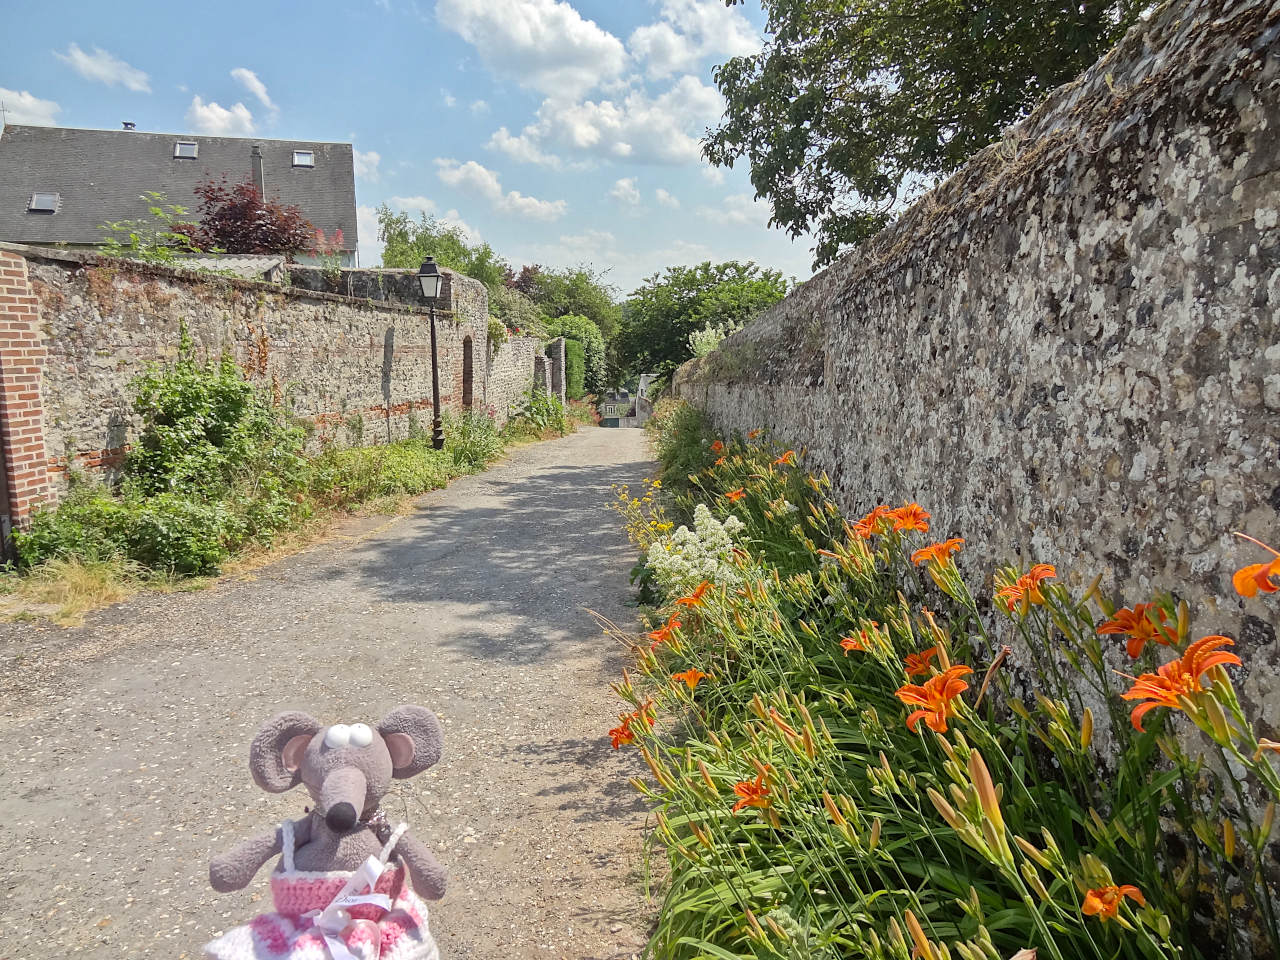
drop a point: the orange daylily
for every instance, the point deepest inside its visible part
(752, 434)
(733, 496)
(934, 698)
(697, 598)
(1144, 624)
(1104, 902)
(1179, 678)
(622, 734)
(788, 459)
(663, 633)
(690, 677)
(938, 553)
(752, 793)
(1026, 587)
(1258, 577)
(910, 516)
(720, 462)
(917, 664)
(717, 447)
(873, 523)
(859, 642)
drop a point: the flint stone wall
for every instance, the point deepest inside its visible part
(1068, 352)
(357, 371)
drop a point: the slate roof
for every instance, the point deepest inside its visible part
(101, 175)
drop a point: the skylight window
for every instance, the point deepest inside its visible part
(44, 203)
(304, 158)
(186, 150)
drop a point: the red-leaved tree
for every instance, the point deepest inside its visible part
(236, 218)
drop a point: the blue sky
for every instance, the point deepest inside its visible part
(560, 132)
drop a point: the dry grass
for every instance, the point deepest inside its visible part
(65, 590)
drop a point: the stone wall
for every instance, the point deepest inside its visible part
(355, 370)
(511, 375)
(1068, 352)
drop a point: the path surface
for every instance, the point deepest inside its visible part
(123, 763)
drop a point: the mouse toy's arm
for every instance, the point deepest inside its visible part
(234, 869)
(425, 871)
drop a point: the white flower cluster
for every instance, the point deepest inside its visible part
(684, 559)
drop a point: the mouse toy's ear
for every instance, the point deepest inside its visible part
(276, 753)
(413, 738)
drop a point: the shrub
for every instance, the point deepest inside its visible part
(498, 335)
(574, 370)
(472, 441)
(540, 413)
(407, 468)
(88, 525)
(683, 442)
(585, 332)
(835, 779)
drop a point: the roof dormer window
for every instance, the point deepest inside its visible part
(186, 150)
(304, 158)
(44, 203)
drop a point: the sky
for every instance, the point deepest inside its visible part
(561, 132)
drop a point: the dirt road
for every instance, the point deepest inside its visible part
(123, 766)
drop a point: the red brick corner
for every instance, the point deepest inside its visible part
(22, 357)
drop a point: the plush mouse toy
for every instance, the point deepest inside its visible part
(340, 888)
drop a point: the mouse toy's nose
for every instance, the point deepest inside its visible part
(341, 816)
(342, 798)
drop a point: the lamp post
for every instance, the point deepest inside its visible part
(429, 280)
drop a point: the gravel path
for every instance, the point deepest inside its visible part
(125, 742)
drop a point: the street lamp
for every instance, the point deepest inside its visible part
(429, 279)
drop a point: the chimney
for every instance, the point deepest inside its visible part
(255, 160)
(128, 125)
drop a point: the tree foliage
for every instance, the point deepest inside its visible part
(659, 316)
(579, 291)
(574, 370)
(855, 105)
(583, 330)
(409, 242)
(516, 311)
(236, 218)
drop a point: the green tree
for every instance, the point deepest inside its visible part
(659, 316)
(577, 291)
(583, 331)
(853, 106)
(409, 242)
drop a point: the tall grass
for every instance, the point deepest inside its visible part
(844, 763)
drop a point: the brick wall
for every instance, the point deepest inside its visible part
(22, 357)
(76, 329)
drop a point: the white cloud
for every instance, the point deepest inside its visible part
(419, 203)
(369, 248)
(479, 107)
(738, 210)
(638, 128)
(545, 45)
(23, 107)
(690, 31)
(105, 68)
(521, 148)
(366, 163)
(448, 98)
(667, 199)
(625, 191)
(474, 178)
(249, 80)
(216, 120)
(714, 175)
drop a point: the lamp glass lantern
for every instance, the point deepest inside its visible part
(429, 278)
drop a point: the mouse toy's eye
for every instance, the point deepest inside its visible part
(361, 735)
(339, 735)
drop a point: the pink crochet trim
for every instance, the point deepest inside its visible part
(295, 895)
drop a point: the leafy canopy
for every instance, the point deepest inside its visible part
(409, 242)
(660, 315)
(584, 332)
(853, 106)
(579, 291)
